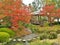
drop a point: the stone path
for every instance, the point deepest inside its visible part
(23, 39)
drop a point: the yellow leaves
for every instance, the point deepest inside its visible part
(48, 1)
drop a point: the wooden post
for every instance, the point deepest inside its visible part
(50, 20)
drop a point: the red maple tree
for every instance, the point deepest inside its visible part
(16, 11)
(49, 11)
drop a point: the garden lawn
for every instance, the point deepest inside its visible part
(38, 28)
(40, 42)
(19, 44)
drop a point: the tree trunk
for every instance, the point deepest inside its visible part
(58, 20)
(50, 20)
(41, 22)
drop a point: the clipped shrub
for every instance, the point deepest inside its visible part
(43, 36)
(58, 31)
(48, 31)
(7, 30)
(52, 35)
(4, 37)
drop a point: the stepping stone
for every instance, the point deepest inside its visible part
(19, 39)
(14, 39)
(29, 37)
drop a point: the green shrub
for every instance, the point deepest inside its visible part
(52, 35)
(7, 30)
(34, 30)
(4, 37)
(43, 36)
(58, 31)
(48, 31)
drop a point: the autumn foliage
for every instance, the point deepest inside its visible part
(15, 10)
(47, 10)
(50, 10)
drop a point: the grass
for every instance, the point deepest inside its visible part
(38, 28)
(40, 42)
(19, 44)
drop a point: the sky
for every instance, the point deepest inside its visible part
(26, 2)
